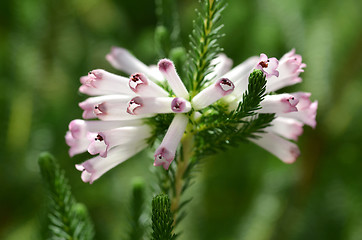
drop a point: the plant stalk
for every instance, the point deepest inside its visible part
(183, 163)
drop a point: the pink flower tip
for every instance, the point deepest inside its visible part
(163, 157)
(87, 172)
(268, 65)
(179, 105)
(294, 154)
(136, 81)
(134, 104)
(225, 85)
(99, 145)
(165, 64)
(292, 103)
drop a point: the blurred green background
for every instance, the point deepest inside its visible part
(244, 193)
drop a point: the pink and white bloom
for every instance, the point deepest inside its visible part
(165, 153)
(123, 60)
(288, 126)
(285, 150)
(168, 70)
(78, 137)
(279, 103)
(122, 104)
(95, 167)
(292, 110)
(211, 94)
(100, 82)
(268, 65)
(290, 66)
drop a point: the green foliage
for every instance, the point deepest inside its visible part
(137, 206)
(204, 43)
(67, 219)
(162, 219)
(220, 128)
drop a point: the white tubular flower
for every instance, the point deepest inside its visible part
(123, 60)
(82, 133)
(268, 65)
(151, 105)
(212, 93)
(119, 136)
(108, 107)
(307, 110)
(279, 74)
(222, 65)
(168, 70)
(290, 126)
(239, 75)
(121, 104)
(292, 110)
(95, 167)
(280, 103)
(165, 153)
(286, 127)
(139, 84)
(100, 82)
(285, 150)
(78, 137)
(290, 66)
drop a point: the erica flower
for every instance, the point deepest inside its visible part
(292, 110)
(121, 104)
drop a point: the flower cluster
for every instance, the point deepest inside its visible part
(292, 110)
(123, 103)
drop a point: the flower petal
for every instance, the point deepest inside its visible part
(139, 84)
(123, 60)
(153, 105)
(95, 167)
(100, 81)
(306, 115)
(286, 127)
(239, 75)
(212, 93)
(290, 66)
(165, 153)
(168, 70)
(124, 135)
(109, 107)
(222, 64)
(268, 65)
(279, 103)
(285, 150)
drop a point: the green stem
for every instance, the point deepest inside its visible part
(183, 163)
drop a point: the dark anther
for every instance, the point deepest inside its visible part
(225, 81)
(99, 138)
(177, 105)
(135, 77)
(264, 64)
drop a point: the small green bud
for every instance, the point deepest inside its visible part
(162, 218)
(47, 166)
(138, 183)
(81, 210)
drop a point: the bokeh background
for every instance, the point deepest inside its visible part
(244, 193)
